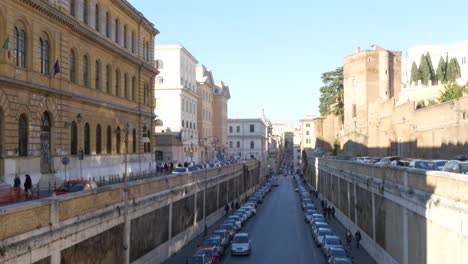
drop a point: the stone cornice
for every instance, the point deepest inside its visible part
(76, 96)
(132, 11)
(75, 26)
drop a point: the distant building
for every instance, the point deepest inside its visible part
(221, 97)
(307, 132)
(247, 138)
(177, 102)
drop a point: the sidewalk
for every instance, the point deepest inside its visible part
(358, 255)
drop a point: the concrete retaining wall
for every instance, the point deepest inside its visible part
(154, 219)
(405, 215)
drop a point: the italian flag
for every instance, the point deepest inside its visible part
(6, 46)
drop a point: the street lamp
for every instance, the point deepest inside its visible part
(80, 152)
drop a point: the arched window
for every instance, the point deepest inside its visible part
(97, 21)
(107, 25)
(117, 140)
(126, 85)
(108, 79)
(134, 140)
(23, 136)
(85, 12)
(87, 140)
(133, 41)
(133, 88)
(117, 30)
(109, 140)
(73, 139)
(73, 7)
(44, 55)
(98, 139)
(86, 71)
(117, 83)
(97, 75)
(19, 47)
(125, 36)
(72, 66)
(252, 144)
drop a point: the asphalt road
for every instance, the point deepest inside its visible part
(278, 231)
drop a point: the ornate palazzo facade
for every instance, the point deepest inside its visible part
(75, 77)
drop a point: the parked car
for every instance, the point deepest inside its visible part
(341, 261)
(331, 241)
(212, 243)
(241, 244)
(321, 233)
(75, 186)
(423, 165)
(387, 160)
(456, 166)
(336, 253)
(230, 228)
(211, 254)
(224, 234)
(402, 163)
(198, 259)
(316, 226)
(440, 163)
(180, 170)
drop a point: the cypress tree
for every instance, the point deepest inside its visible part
(453, 70)
(424, 70)
(441, 70)
(431, 67)
(415, 75)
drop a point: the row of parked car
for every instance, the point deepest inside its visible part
(192, 166)
(330, 243)
(214, 247)
(458, 164)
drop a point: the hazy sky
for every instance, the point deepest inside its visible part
(272, 53)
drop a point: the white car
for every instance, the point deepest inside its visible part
(241, 244)
(180, 170)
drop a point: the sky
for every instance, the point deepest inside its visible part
(272, 53)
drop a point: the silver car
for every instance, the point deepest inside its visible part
(241, 244)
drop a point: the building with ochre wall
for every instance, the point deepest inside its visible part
(75, 75)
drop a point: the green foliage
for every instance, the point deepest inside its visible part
(431, 67)
(453, 70)
(425, 70)
(452, 92)
(415, 74)
(420, 104)
(331, 94)
(441, 73)
(432, 102)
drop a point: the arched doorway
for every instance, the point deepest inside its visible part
(46, 128)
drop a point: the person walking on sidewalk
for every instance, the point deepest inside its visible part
(349, 239)
(226, 209)
(333, 211)
(358, 238)
(27, 185)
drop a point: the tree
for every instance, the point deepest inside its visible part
(424, 70)
(452, 91)
(441, 70)
(453, 70)
(415, 74)
(431, 67)
(331, 94)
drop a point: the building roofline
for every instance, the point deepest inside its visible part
(175, 46)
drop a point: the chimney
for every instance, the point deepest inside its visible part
(358, 49)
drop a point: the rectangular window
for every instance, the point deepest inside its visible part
(230, 144)
(307, 125)
(238, 129)
(230, 129)
(354, 110)
(238, 144)
(160, 80)
(252, 128)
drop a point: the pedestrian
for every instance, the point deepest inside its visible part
(232, 205)
(358, 238)
(166, 168)
(17, 182)
(28, 184)
(322, 203)
(172, 166)
(333, 211)
(226, 209)
(237, 205)
(185, 164)
(349, 239)
(325, 211)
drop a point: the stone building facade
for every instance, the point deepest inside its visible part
(80, 73)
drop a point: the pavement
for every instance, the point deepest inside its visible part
(278, 233)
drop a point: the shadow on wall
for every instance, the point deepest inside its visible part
(408, 149)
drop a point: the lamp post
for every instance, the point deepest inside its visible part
(80, 152)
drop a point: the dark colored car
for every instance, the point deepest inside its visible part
(336, 253)
(230, 228)
(212, 243)
(213, 256)
(224, 234)
(75, 186)
(198, 259)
